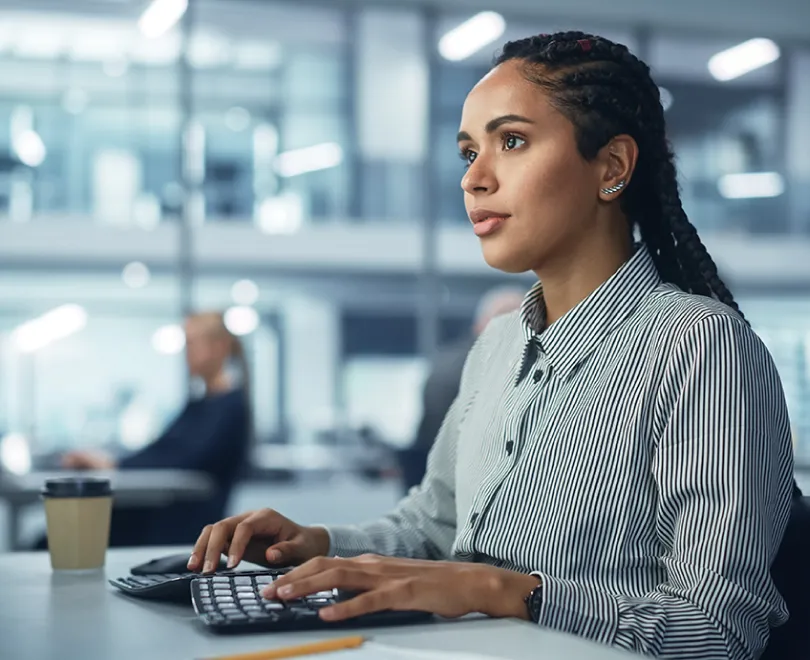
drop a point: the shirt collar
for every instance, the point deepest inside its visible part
(574, 336)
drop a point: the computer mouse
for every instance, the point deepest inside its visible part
(170, 564)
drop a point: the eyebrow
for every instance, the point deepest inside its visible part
(494, 124)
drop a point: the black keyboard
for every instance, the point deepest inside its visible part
(232, 602)
(175, 587)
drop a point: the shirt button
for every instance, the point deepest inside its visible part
(509, 447)
(473, 518)
(538, 376)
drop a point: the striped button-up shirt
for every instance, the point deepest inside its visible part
(635, 455)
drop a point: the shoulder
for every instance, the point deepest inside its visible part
(683, 326)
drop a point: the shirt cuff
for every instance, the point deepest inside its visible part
(346, 541)
(572, 608)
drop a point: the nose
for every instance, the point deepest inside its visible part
(479, 178)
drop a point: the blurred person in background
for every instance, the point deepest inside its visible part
(618, 462)
(211, 435)
(441, 386)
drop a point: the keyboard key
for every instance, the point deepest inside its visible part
(222, 592)
(245, 590)
(206, 600)
(221, 579)
(318, 603)
(237, 617)
(264, 579)
(322, 594)
(243, 580)
(273, 605)
(258, 614)
(250, 607)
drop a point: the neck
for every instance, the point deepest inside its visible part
(218, 383)
(570, 279)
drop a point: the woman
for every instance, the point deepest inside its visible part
(617, 463)
(210, 435)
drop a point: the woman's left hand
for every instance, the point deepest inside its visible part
(449, 589)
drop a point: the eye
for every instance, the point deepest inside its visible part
(511, 141)
(468, 156)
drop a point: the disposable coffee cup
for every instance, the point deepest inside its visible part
(78, 511)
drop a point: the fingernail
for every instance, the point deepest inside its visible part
(274, 555)
(192, 561)
(327, 613)
(285, 591)
(231, 561)
(269, 593)
(209, 566)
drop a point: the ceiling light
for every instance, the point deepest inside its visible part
(30, 148)
(241, 320)
(169, 339)
(309, 159)
(161, 16)
(136, 275)
(743, 58)
(282, 214)
(15, 453)
(471, 36)
(50, 327)
(751, 185)
(245, 292)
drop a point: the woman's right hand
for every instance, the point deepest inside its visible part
(262, 537)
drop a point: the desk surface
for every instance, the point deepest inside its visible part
(44, 615)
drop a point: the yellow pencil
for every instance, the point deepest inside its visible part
(339, 644)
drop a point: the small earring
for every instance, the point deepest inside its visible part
(613, 189)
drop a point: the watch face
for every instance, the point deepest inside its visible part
(535, 602)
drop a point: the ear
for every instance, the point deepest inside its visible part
(618, 160)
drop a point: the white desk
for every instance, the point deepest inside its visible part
(46, 616)
(142, 488)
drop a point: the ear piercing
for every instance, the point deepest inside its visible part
(613, 189)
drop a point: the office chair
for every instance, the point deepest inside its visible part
(791, 574)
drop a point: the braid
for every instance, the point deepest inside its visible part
(605, 91)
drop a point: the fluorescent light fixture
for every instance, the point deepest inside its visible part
(169, 339)
(282, 214)
(136, 275)
(161, 16)
(743, 58)
(30, 148)
(309, 159)
(48, 328)
(15, 454)
(241, 320)
(751, 185)
(245, 292)
(471, 36)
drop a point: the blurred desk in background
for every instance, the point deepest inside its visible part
(132, 488)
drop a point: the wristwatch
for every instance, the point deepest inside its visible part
(534, 602)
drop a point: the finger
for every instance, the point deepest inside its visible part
(285, 553)
(308, 569)
(197, 554)
(220, 535)
(348, 579)
(365, 603)
(243, 532)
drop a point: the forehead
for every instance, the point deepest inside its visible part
(504, 90)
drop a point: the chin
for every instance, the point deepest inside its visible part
(504, 257)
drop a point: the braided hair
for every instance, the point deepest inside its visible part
(605, 90)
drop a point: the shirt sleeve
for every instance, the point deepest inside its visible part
(423, 525)
(723, 468)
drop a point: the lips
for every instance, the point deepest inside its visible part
(486, 222)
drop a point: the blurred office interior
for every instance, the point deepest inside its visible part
(294, 162)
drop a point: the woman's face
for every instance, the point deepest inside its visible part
(206, 350)
(529, 193)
